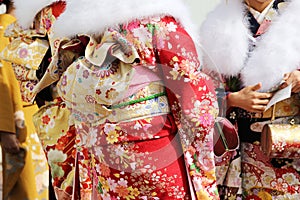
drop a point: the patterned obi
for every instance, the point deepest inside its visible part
(147, 102)
(107, 84)
(96, 95)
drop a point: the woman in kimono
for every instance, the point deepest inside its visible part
(23, 161)
(255, 46)
(55, 131)
(142, 110)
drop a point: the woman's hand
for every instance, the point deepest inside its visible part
(292, 78)
(249, 99)
(9, 142)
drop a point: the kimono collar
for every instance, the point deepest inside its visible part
(261, 15)
(94, 16)
(225, 39)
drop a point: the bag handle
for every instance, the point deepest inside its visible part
(224, 141)
(273, 113)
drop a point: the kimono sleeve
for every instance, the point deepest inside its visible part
(10, 98)
(193, 104)
(6, 107)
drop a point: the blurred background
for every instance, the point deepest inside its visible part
(200, 8)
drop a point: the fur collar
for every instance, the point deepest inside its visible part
(94, 16)
(225, 39)
(105, 12)
(25, 11)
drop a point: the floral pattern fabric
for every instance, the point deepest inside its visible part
(55, 131)
(29, 165)
(264, 177)
(26, 53)
(155, 155)
(57, 136)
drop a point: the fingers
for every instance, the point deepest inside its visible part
(11, 147)
(262, 102)
(257, 108)
(283, 85)
(10, 143)
(259, 105)
(12, 150)
(286, 76)
(251, 92)
(256, 87)
(296, 82)
(292, 78)
(295, 85)
(296, 89)
(259, 95)
(288, 82)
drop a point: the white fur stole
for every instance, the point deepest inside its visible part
(225, 39)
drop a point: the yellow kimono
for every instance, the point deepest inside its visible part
(25, 175)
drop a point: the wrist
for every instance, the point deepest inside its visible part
(231, 99)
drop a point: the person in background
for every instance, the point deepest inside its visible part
(255, 46)
(143, 112)
(24, 169)
(51, 120)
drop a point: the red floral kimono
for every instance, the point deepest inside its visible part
(143, 113)
(142, 110)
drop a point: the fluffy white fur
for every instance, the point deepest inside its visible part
(94, 16)
(27, 9)
(224, 38)
(277, 53)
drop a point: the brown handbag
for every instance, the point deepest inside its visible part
(281, 140)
